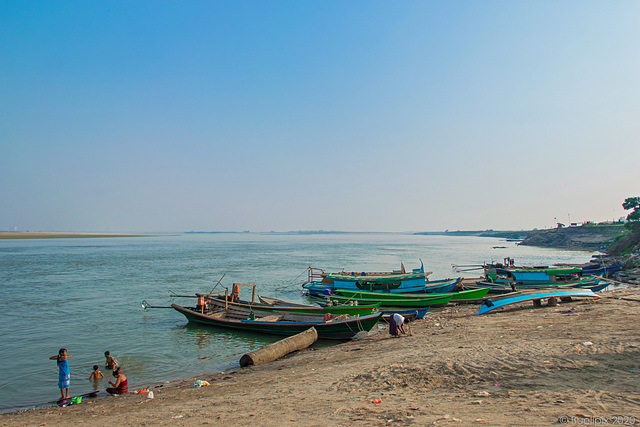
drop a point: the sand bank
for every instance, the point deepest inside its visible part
(60, 235)
(528, 366)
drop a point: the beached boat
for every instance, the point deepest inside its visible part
(516, 297)
(498, 286)
(409, 315)
(261, 309)
(406, 303)
(459, 296)
(287, 324)
(331, 305)
(399, 281)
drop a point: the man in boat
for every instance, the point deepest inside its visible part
(235, 293)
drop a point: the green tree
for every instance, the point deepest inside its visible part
(632, 203)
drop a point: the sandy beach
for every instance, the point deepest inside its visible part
(522, 366)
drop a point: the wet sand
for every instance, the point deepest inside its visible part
(522, 366)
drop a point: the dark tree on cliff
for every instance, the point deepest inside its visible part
(632, 203)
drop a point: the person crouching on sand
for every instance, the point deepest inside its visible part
(120, 386)
(64, 375)
(396, 324)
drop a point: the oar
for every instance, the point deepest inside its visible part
(173, 294)
(146, 306)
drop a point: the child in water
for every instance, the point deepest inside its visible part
(96, 374)
(111, 362)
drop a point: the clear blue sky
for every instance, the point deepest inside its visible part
(306, 115)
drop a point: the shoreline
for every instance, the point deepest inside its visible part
(64, 235)
(523, 365)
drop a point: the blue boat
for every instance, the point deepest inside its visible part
(599, 269)
(398, 281)
(515, 297)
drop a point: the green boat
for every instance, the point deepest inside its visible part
(339, 328)
(402, 302)
(261, 309)
(469, 294)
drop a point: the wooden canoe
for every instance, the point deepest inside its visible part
(407, 303)
(343, 327)
(468, 294)
(516, 297)
(261, 309)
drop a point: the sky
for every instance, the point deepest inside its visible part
(166, 116)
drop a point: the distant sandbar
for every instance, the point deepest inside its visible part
(60, 235)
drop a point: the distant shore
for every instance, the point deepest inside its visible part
(62, 235)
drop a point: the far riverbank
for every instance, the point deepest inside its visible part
(62, 235)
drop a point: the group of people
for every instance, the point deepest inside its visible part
(64, 374)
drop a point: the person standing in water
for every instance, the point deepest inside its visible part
(110, 361)
(64, 375)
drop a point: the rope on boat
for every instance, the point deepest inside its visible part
(214, 288)
(295, 284)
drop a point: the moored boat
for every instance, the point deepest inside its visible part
(247, 307)
(287, 324)
(516, 297)
(399, 281)
(465, 295)
(435, 301)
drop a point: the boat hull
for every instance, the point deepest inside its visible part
(408, 287)
(265, 309)
(437, 301)
(466, 295)
(339, 330)
(497, 302)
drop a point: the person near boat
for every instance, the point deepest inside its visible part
(235, 293)
(64, 375)
(120, 386)
(396, 324)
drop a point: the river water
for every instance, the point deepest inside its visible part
(85, 295)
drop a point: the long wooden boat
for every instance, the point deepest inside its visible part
(466, 295)
(516, 297)
(534, 276)
(342, 327)
(397, 281)
(246, 307)
(420, 312)
(436, 301)
(582, 282)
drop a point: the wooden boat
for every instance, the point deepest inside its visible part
(516, 297)
(441, 286)
(409, 316)
(261, 309)
(466, 295)
(330, 307)
(580, 282)
(407, 303)
(341, 327)
(397, 281)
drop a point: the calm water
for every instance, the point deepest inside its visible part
(85, 295)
